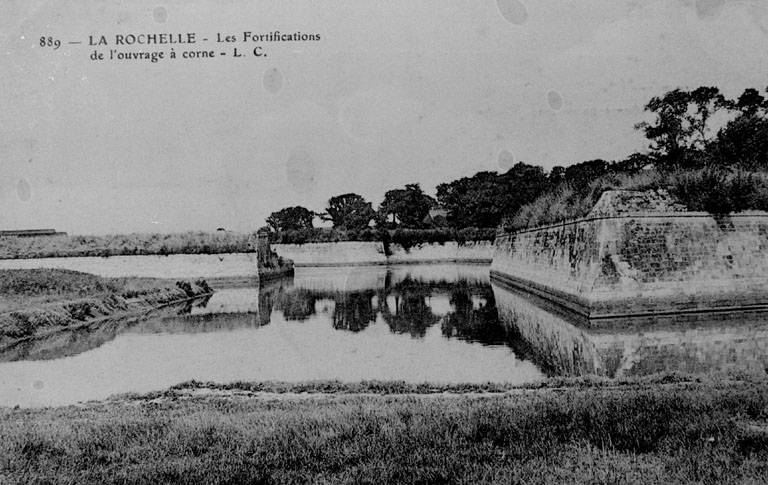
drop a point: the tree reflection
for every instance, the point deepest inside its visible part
(412, 314)
(353, 311)
(466, 322)
(404, 306)
(296, 304)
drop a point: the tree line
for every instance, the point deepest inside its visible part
(688, 130)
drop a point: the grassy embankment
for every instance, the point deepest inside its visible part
(717, 191)
(641, 432)
(37, 302)
(125, 244)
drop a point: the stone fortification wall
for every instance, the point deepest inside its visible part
(623, 262)
(333, 253)
(474, 251)
(366, 253)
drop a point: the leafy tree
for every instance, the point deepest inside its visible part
(632, 164)
(483, 199)
(681, 128)
(743, 142)
(751, 101)
(581, 174)
(408, 207)
(291, 218)
(349, 211)
(704, 102)
(556, 175)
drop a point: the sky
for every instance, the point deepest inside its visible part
(395, 92)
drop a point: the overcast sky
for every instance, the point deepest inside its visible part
(395, 92)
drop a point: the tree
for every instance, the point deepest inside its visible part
(704, 102)
(681, 127)
(743, 142)
(483, 199)
(349, 211)
(751, 101)
(556, 175)
(580, 175)
(632, 164)
(407, 207)
(291, 218)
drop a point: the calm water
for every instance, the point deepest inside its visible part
(442, 323)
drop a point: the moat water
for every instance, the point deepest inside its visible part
(439, 323)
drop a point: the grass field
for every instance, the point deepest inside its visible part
(683, 432)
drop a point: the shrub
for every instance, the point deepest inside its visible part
(21, 325)
(79, 310)
(720, 191)
(203, 285)
(186, 287)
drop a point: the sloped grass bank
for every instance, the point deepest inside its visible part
(713, 190)
(675, 433)
(37, 302)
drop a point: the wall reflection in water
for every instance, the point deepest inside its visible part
(561, 343)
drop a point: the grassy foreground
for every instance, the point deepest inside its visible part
(643, 433)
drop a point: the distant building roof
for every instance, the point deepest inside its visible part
(32, 233)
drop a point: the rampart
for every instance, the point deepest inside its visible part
(626, 260)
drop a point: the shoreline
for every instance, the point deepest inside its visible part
(115, 318)
(40, 303)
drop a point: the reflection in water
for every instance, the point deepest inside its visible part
(404, 297)
(561, 343)
(374, 323)
(408, 301)
(409, 312)
(405, 305)
(296, 305)
(444, 323)
(469, 321)
(353, 311)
